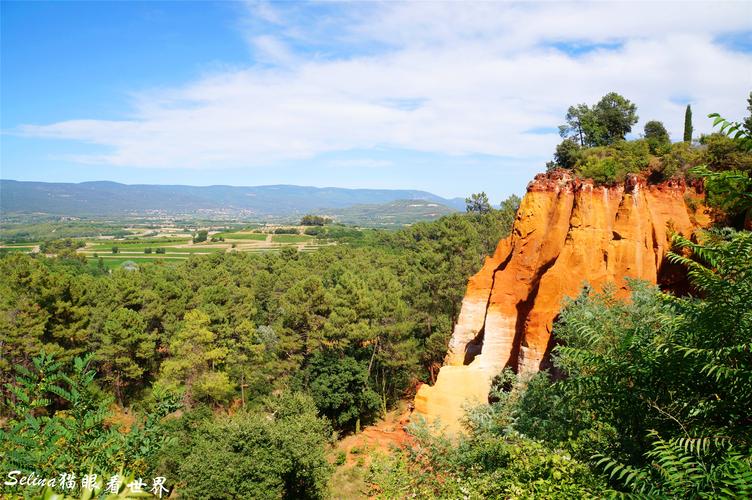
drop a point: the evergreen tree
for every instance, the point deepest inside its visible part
(477, 203)
(126, 349)
(657, 136)
(193, 366)
(567, 153)
(688, 124)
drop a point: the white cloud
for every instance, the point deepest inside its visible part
(448, 78)
(361, 163)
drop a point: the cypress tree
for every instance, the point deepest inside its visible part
(688, 124)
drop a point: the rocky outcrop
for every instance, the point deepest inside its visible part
(567, 232)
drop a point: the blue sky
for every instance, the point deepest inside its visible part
(452, 98)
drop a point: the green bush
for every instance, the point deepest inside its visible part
(200, 236)
(339, 386)
(482, 467)
(567, 153)
(724, 153)
(314, 220)
(611, 164)
(58, 421)
(678, 160)
(275, 452)
(314, 231)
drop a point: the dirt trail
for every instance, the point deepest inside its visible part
(382, 436)
(350, 479)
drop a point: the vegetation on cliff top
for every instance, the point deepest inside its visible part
(595, 147)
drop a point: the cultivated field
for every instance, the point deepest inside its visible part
(171, 248)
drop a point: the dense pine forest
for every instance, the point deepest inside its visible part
(326, 341)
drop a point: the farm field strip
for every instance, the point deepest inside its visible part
(241, 236)
(16, 249)
(139, 257)
(291, 238)
(168, 250)
(133, 246)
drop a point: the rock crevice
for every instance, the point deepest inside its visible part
(567, 232)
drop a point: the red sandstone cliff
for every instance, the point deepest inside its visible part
(567, 231)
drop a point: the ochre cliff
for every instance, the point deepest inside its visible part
(567, 232)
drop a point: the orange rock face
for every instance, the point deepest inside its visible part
(567, 232)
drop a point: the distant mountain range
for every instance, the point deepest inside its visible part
(110, 199)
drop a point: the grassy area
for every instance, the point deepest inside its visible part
(124, 245)
(349, 482)
(168, 250)
(241, 236)
(196, 249)
(291, 238)
(15, 250)
(115, 262)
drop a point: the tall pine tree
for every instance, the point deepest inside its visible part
(688, 124)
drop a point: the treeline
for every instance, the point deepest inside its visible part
(351, 328)
(314, 220)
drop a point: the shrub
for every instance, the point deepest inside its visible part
(58, 421)
(610, 164)
(339, 386)
(314, 220)
(678, 160)
(277, 452)
(314, 231)
(200, 236)
(567, 153)
(483, 467)
(724, 153)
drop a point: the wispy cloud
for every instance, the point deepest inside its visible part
(447, 78)
(361, 163)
